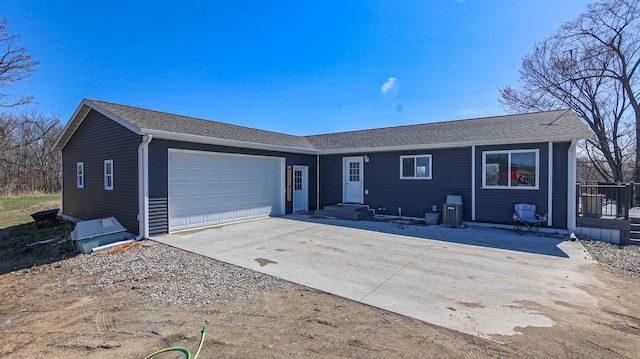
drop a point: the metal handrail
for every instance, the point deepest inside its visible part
(604, 199)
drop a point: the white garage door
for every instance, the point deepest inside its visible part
(207, 188)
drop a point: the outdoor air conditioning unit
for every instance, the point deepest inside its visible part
(452, 211)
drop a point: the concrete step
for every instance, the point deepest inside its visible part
(346, 211)
(634, 231)
(347, 207)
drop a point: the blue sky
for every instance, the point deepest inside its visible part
(290, 66)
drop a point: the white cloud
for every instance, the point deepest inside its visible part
(391, 87)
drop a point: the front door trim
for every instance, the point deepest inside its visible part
(353, 183)
(300, 188)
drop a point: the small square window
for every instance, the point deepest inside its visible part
(415, 167)
(108, 174)
(80, 174)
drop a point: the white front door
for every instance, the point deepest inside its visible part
(300, 188)
(353, 176)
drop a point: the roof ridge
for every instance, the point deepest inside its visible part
(438, 122)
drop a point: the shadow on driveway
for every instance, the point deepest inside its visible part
(475, 236)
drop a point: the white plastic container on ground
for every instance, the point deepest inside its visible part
(96, 232)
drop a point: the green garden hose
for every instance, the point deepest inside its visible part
(184, 351)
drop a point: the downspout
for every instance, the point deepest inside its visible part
(473, 182)
(62, 180)
(550, 185)
(143, 187)
(571, 188)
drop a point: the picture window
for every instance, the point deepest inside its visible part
(510, 169)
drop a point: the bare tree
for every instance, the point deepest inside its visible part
(26, 138)
(589, 66)
(26, 161)
(15, 65)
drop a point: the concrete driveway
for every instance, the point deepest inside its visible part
(481, 281)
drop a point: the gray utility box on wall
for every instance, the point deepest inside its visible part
(452, 211)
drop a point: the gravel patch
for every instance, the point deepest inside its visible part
(622, 259)
(168, 275)
(173, 276)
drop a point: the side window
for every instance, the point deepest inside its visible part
(108, 174)
(415, 167)
(80, 174)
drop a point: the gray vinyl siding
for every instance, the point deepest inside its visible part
(158, 175)
(497, 205)
(97, 139)
(331, 179)
(560, 184)
(451, 174)
(158, 215)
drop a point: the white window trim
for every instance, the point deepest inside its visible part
(509, 152)
(107, 175)
(415, 157)
(80, 174)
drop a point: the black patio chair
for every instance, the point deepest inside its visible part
(526, 219)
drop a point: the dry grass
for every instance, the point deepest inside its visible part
(20, 237)
(16, 210)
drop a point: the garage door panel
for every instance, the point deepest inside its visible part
(210, 188)
(213, 217)
(196, 219)
(227, 215)
(177, 222)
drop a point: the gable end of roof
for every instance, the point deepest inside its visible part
(80, 114)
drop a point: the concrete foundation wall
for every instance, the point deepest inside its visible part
(601, 234)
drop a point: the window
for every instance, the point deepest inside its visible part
(415, 167)
(510, 169)
(297, 180)
(354, 171)
(108, 174)
(80, 174)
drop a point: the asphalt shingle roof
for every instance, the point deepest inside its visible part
(162, 121)
(512, 128)
(540, 125)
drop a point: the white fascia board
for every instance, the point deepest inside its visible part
(427, 146)
(79, 116)
(71, 126)
(173, 136)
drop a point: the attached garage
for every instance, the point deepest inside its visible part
(170, 172)
(209, 188)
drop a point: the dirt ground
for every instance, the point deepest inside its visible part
(47, 311)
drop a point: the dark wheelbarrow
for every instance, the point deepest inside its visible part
(46, 218)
